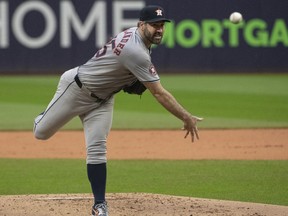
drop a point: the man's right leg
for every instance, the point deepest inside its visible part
(61, 109)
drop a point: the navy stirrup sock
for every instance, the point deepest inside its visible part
(97, 177)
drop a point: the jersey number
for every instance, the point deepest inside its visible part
(103, 50)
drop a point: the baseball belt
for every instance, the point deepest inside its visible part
(81, 86)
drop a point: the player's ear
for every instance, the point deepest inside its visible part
(140, 24)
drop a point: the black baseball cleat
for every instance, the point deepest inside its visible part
(100, 209)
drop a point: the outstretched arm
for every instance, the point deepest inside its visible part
(168, 101)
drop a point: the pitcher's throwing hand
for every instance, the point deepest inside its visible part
(190, 125)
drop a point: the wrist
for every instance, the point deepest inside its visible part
(186, 116)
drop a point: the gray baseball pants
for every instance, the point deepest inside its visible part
(70, 101)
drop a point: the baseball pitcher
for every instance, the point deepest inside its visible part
(87, 91)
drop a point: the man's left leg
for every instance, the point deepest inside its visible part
(97, 124)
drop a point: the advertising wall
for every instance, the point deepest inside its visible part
(52, 36)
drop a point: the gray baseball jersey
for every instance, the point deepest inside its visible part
(119, 63)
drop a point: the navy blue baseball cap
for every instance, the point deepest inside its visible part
(153, 13)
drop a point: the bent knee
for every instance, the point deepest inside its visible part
(41, 135)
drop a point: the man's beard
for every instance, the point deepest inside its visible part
(155, 38)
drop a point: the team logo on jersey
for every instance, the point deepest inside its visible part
(152, 70)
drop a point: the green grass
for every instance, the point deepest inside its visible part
(251, 181)
(225, 101)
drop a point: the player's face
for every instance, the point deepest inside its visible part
(153, 32)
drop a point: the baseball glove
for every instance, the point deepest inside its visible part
(136, 88)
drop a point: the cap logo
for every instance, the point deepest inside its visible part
(159, 12)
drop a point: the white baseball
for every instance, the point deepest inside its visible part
(236, 17)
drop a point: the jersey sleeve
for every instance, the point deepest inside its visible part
(139, 63)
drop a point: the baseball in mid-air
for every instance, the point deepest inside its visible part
(236, 17)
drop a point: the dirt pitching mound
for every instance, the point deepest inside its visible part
(133, 204)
